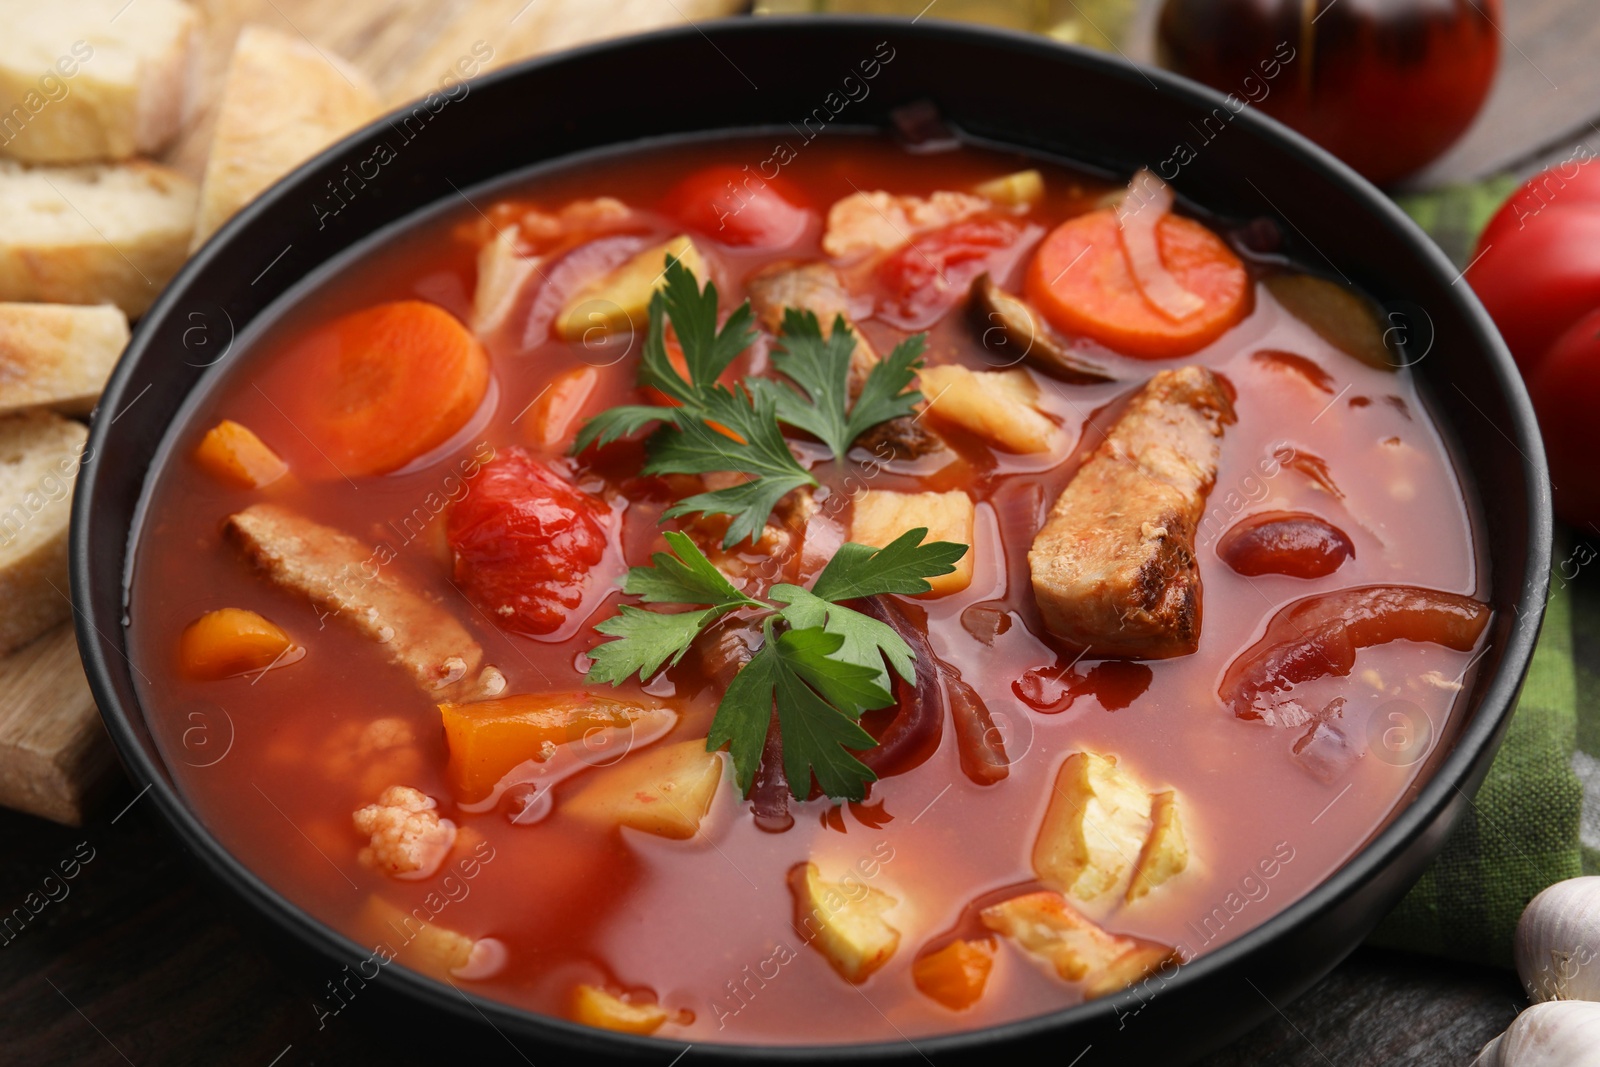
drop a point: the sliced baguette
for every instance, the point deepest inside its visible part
(93, 234)
(57, 356)
(40, 453)
(88, 80)
(283, 102)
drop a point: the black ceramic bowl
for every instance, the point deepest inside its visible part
(1019, 91)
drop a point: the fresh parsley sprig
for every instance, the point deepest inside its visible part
(821, 664)
(707, 427)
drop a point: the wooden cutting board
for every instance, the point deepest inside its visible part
(55, 758)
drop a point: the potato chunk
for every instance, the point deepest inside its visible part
(419, 944)
(623, 296)
(1046, 926)
(593, 1006)
(1094, 829)
(843, 921)
(997, 405)
(1166, 851)
(490, 738)
(664, 791)
(956, 974)
(882, 515)
(1022, 188)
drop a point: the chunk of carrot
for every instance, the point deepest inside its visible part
(388, 383)
(489, 738)
(1081, 281)
(233, 453)
(230, 641)
(956, 974)
(555, 412)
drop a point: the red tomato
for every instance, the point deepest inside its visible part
(525, 541)
(1537, 266)
(925, 278)
(1385, 85)
(1566, 394)
(731, 205)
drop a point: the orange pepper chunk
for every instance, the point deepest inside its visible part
(232, 452)
(555, 412)
(489, 738)
(230, 641)
(956, 974)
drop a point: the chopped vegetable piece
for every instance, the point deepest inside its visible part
(1010, 328)
(1149, 200)
(1285, 542)
(230, 641)
(877, 221)
(883, 516)
(489, 738)
(593, 1006)
(234, 453)
(1023, 189)
(1079, 950)
(843, 921)
(1080, 279)
(503, 270)
(1166, 850)
(1344, 318)
(387, 384)
(998, 405)
(956, 974)
(731, 205)
(623, 296)
(417, 942)
(925, 279)
(1319, 635)
(526, 543)
(409, 840)
(663, 791)
(554, 414)
(1096, 825)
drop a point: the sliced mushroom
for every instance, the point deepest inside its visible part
(1019, 328)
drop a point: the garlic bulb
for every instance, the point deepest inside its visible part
(1561, 1033)
(1558, 942)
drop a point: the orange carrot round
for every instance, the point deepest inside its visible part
(1081, 281)
(386, 384)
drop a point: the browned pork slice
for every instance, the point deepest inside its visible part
(1114, 566)
(345, 579)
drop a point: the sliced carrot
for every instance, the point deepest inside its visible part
(956, 974)
(233, 453)
(230, 641)
(1081, 280)
(554, 414)
(386, 384)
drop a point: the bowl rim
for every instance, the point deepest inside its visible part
(1475, 739)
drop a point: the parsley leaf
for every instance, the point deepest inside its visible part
(684, 576)
(647, 641)
(902, 566)
(863, 641)
(820, 367)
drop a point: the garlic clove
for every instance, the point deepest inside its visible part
(1558, 942)
(1559, 1033)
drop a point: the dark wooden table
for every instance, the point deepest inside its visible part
(135, 961)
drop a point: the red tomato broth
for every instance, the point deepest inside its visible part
(694, 920)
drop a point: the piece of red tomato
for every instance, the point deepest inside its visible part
(1566, 393)
(525, 542)
(735, 207)
(923, 279)
(1537, 265)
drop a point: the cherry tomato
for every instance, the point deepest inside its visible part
(736, 207)
(1385, 85)
(1537, 265)
(525, 542)
(1566, 393)
(924, 279)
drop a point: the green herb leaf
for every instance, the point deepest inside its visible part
(684, 577)
(887, 392)
(646, 641)
(902, 566)
(619, 422)
(864, 641)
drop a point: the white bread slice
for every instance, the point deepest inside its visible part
(283, 102)
(93, 234)
(89, 80)
(57, 356)
(40, 453)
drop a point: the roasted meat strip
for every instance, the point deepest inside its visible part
(1114, 566)
(344, 579)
